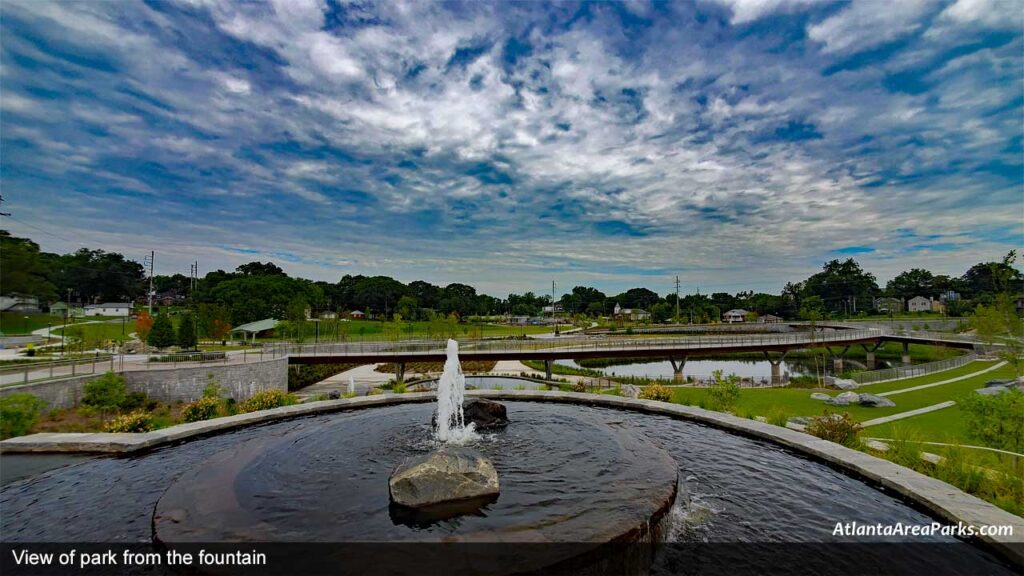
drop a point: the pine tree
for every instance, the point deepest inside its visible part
(187, 333)
(162, 333)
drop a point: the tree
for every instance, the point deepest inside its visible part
(186, 337)
(993, 277)
(407, 307)
(914, 282)
(995, 421)
(811, 308)
(162, 335)
(143, 324)
(260, 269)
(843, 287)
(24, 269)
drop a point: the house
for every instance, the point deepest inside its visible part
(547, 309)
(633, 314)
(768, 319)
(894, 305)
(18, 303)
(919, 304)
(109, 309)
(938, 306)
(357, 315)
(949, 296)
(328, 315)
(735, 315)
(519, 320)
(61, 309)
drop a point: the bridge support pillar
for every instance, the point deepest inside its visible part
(677, 368)
(547, 369)
(400, 371)
(837, 359)
(776, 366)
(869, 349)
(906, 354)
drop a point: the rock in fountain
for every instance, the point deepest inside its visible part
(453, 473)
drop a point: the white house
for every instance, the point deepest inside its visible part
(634, 314)
(109, 309)
(736, 315)
(919, 304)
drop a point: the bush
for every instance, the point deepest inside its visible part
(656, 392)
(203, 409)
(840, 429)
(138, 421)
(162, 334)
(777, 416)
(398, 387)
(18, 413)
(579, 386)
(724, 392)
(266, 400)
(107, 393)
(995, 421)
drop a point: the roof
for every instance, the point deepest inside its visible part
(110, 305)
(258, 326)
(919, 298)
(356, 312)
(736, 312)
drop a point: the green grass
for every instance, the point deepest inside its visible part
(15, 323)
(968, 368)
(99, 334)
(797, 402)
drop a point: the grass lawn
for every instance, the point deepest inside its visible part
(100, 333)
(15, 323)
(797, 402)
(968, 368)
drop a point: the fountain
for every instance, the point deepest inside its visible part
(602, 483)
(351, 385)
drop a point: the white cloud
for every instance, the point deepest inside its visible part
(865, 25)
(744, 11)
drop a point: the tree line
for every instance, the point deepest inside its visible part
(258, 290)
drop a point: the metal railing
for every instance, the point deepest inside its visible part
(53, 369)
(566, 347)
(901, 372)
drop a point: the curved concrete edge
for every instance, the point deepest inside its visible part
(941, 499)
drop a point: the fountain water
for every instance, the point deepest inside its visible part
(351, 386)
(451, 390)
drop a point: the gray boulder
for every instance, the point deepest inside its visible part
(875, 401)
(334, 395)
(991, 390)
(999, 383)
(820, 396)
(447, 475)
(630, 391)
(844, 384)
(486, 414)
(844, 399)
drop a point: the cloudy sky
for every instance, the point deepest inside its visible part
(736, 143)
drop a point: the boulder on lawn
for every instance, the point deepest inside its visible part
(486, 414)
(820, 396)
(875, 401)
(631, 391)
(452, 474)
(844, 399)
(992, 390)
(1001, 383)
(844, 384)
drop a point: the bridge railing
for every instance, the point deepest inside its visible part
(901, 372)
(48, 370)
(567, 346)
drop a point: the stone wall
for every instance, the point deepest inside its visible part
(172, 384)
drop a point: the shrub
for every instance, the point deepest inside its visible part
(162, 334)
(106, 394)
(777, 416)
(995, 421)
(398, 387)
(138, 421)
(18, 413)
(904, 449)
(203, 409)
(579, 386)
(724, 392)
(266, 400)
(837, 428)
(656, 392)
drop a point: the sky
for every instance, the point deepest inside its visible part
(738, 144)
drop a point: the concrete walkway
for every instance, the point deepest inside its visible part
(366, 378)
(908, 414)
(934, 384)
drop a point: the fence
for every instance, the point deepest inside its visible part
(64, 368)
(912, 371)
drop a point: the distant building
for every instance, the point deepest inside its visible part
(547, 309)
(768, 319)
(109, 309)
(519, 320)
(253, 328)
(60, 309)
(632, 314)
(894, 305)
(919, 304)
(949, 296)
(357, 315)
(18, 303)
(735, 315)
(328, 315)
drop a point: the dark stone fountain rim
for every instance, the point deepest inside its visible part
(934, 496)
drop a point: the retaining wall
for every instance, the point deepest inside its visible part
(170, 385)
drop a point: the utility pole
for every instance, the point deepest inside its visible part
(553, 307)
(677, 299)
(152, 255)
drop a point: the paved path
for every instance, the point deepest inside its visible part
(908, 414)
(945, 444)
(365, 377)
(934, 384)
